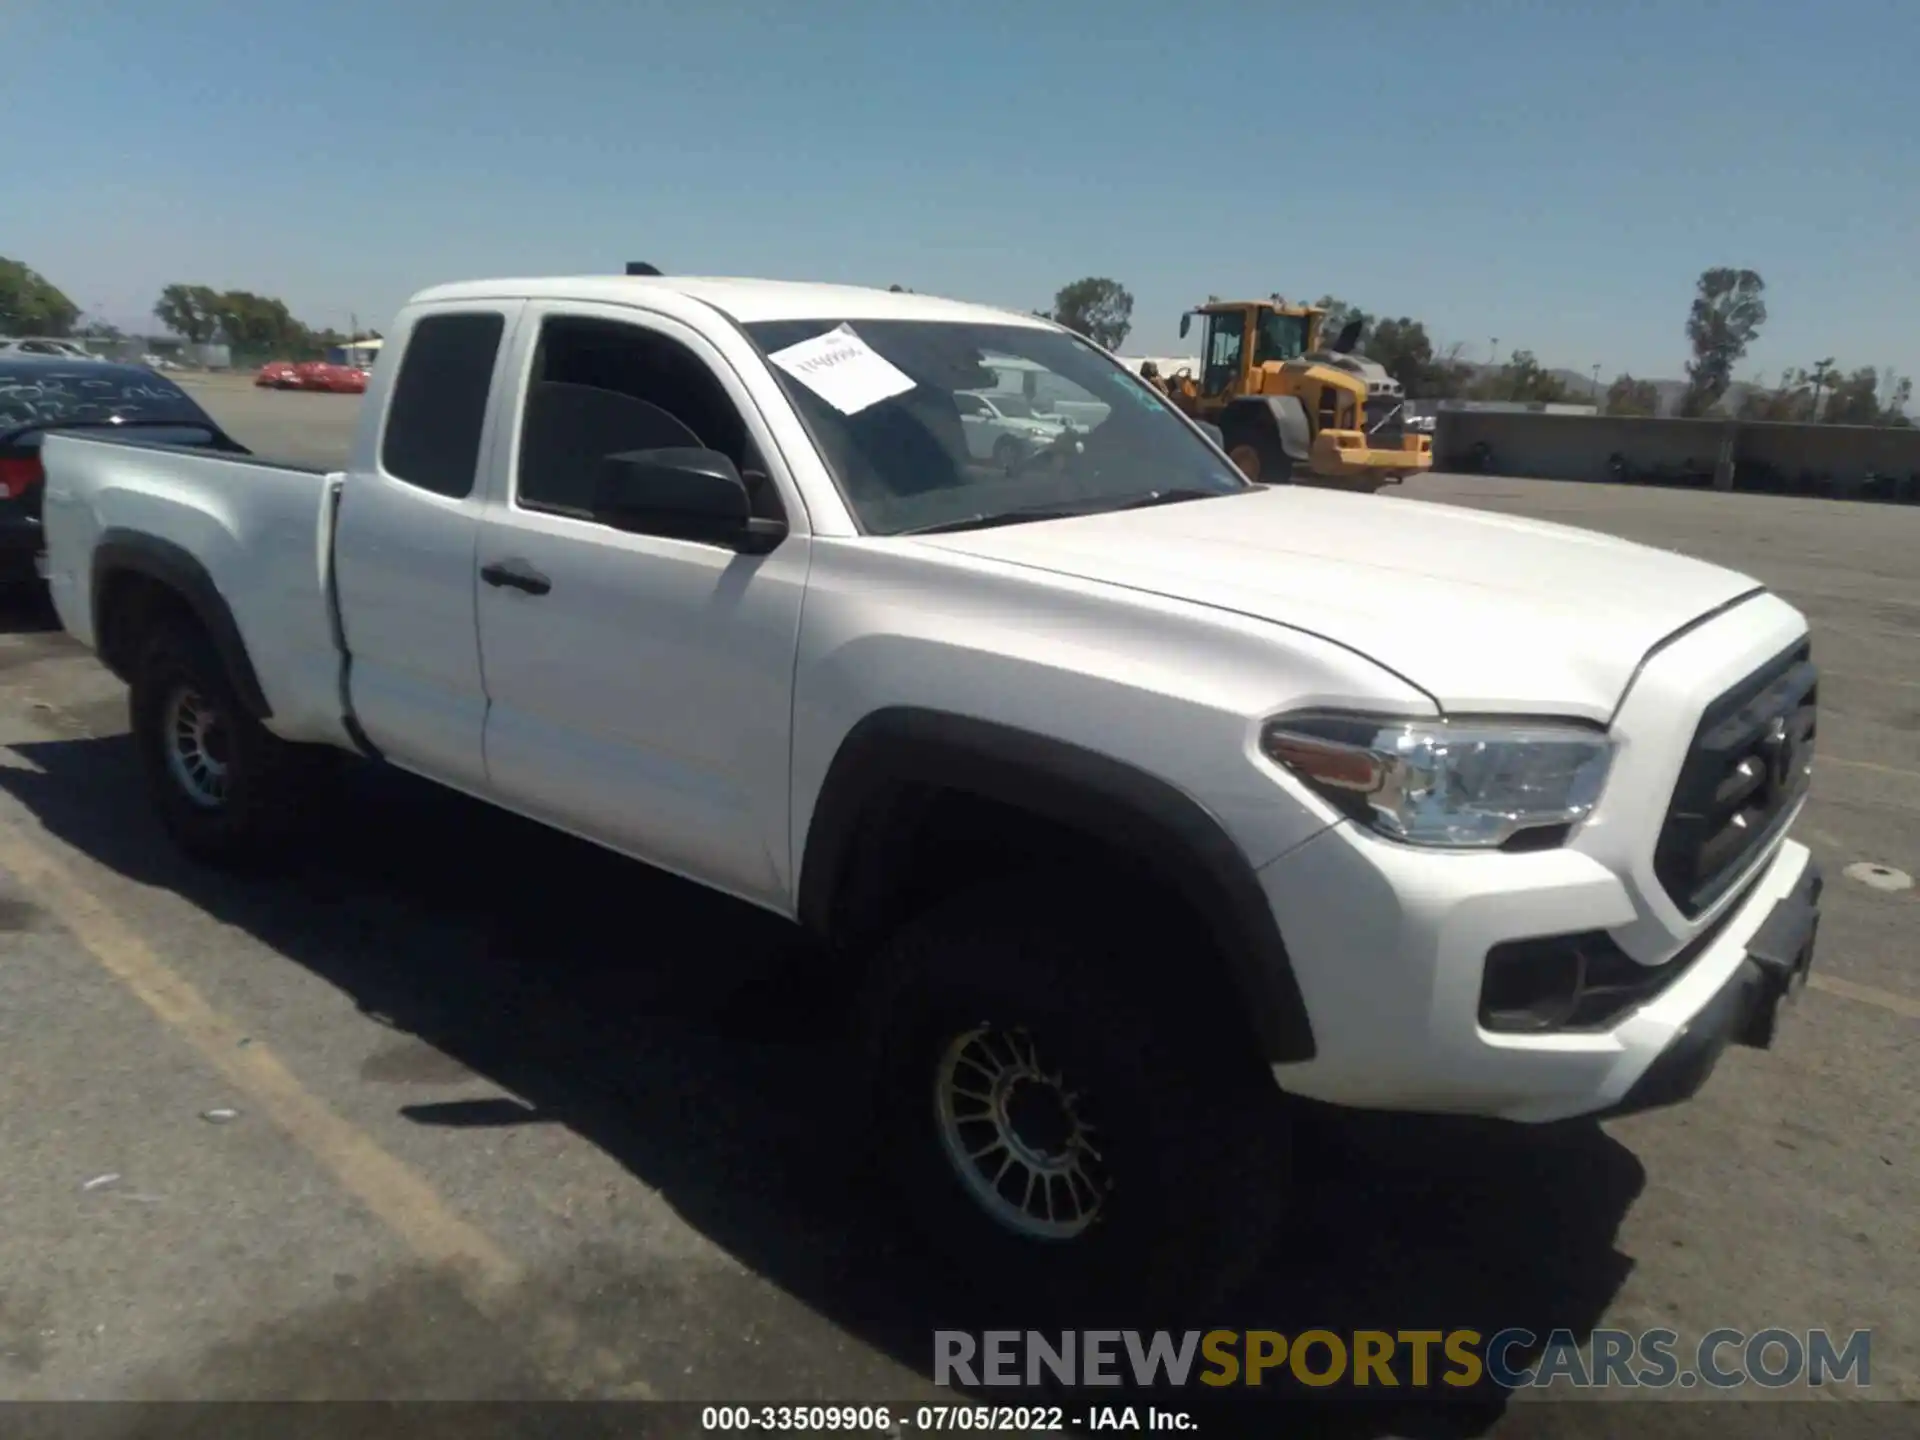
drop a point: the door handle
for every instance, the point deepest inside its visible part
(516, 575)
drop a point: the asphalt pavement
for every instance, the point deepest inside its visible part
(460, 1108)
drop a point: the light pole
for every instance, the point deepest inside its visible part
(1493, 349)
(1596, 385)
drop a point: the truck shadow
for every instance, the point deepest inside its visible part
(696, 1042)
(27, 610)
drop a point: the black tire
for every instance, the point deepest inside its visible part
(1192, 1128)
(1271, 463)
(268, 783)
(1008, 452)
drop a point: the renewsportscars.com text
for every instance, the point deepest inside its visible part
(1513, 1359)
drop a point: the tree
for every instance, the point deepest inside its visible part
(251, 324)
(1899, 390)
(257, 324)
(1339, 315)
(898, 290)
(1450, 376)
(1404, 351)
(1402, 347)
(1857, 398)
(1828, 394)
(1628, 396)
(31, 304)
(1522, 379)
(1821, 374)
(189, 311)
(1727, 314)
(1795, 400)
(1098, 308)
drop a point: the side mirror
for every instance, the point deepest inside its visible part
(1214, 433)
(683, 492)
(1186, 324)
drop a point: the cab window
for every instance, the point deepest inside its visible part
(1282, 338)
(1226, 338)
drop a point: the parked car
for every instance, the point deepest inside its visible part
(40, 395)
(318, 375)
(46, 349)
(1003, 428)
(1133, 795)
(326, 377)
(334, 379)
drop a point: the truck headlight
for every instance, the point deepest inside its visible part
(1457, 784)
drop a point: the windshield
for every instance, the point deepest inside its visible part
(43, 395)
(1282, 337)
(921, 456)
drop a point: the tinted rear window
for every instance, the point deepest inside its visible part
(50, 394)
(440, 402)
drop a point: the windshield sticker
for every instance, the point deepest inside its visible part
(843, 370)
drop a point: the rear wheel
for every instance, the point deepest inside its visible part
(228, 791)
(1257, 450)
(1056, 1126)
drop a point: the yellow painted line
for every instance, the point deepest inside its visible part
(398, 1196)
(1866, 994)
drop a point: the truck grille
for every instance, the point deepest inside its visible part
(1745, 772)
(1386, 420)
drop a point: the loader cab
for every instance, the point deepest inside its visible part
(1283, 335)
(1223, 349)
(1240, 337)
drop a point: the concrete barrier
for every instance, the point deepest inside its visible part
(1836, 460)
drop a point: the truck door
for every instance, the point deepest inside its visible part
(404, 542)
(1226, 344)
(640, 686)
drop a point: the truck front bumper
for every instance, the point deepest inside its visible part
(1390, 946)
(1743, 1011)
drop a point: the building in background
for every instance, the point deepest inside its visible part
(358, 353)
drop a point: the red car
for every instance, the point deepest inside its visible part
(335, 379)
(312, 375)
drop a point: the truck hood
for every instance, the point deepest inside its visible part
(1484, 612)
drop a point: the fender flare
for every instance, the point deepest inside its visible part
(895, 754)
(131, 552)
(1284, 413)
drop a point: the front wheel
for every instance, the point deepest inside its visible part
(1257, 451)
(228, 791)
(1057, 1128)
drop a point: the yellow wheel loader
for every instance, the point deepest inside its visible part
(1289, 409)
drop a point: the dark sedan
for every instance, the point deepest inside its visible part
(39, 394)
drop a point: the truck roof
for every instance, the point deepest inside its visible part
(746, 301)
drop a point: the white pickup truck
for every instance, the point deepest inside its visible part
(1141, 797)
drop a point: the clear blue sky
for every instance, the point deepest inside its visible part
(1554, 174)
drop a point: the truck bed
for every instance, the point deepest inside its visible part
(261, 531)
